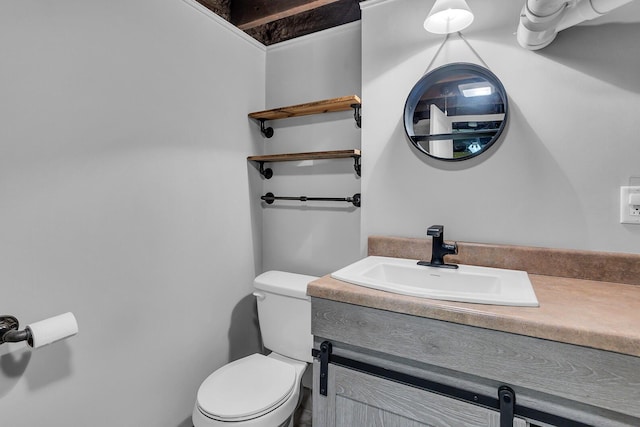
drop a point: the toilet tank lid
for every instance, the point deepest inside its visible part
(284, 283)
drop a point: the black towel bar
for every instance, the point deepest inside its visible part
(270, 198)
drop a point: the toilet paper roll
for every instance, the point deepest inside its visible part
(52, 329)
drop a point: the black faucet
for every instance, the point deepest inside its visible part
(439, 249)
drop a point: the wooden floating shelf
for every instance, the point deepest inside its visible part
(314, 155)
(344, 103)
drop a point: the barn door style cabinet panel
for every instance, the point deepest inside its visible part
(355, 398)
(381, 368)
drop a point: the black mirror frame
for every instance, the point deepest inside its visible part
(435, 75)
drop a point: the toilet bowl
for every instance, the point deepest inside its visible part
(259, 390)
(255, 391)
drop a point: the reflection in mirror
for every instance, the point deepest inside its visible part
(456, 111)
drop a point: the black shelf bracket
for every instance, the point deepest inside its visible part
(266, 131)
(356, 114)
(356, 165)
(266, 173)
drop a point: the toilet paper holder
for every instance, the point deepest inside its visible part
(9, 331)
(40, 333)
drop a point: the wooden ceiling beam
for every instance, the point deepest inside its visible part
(309, 6)
(275, 21)
(221, 8)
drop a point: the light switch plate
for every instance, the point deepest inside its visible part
(629, 214)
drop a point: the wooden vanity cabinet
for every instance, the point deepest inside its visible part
(358, 399)
(392, 369)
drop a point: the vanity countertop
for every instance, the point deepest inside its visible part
(593, 313)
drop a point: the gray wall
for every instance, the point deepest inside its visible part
(317, 237)
(553, 181)
(125, 197)
(571, 141)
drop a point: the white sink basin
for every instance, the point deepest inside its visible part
(468, 283)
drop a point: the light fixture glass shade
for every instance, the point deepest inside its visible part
(448, 16)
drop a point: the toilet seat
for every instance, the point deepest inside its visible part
(247, 388)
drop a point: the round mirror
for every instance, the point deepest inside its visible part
(456, 112)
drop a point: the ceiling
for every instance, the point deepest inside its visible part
(274, 21)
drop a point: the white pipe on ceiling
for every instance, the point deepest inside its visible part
(540, 20)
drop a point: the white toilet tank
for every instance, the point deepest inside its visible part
(284, 312)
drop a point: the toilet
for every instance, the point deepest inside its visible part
(259, 390)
